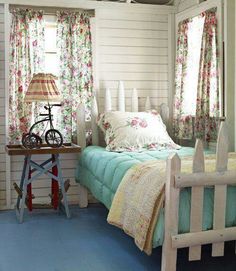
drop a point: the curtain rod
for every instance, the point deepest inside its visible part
(53, 10)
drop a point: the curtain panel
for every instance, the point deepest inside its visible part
(75, 57)
(182, 124)
(208, 108)
(26, 58)
(204, 124)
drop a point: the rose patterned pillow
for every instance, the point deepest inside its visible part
(134, 131)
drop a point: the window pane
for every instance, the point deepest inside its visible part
(194, 51)
(51, 64)
(50, 39)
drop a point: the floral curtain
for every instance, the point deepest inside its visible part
(204, 123)
(26, 58)
(182, 123)
(75, 56)
(207, 110)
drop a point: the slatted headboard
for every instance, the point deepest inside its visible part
(83, 125)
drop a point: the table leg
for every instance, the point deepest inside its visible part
(29, 194)
(21, 183)
(55, 186)
(24, 192)
(67, 211)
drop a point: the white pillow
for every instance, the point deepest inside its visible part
(134, 131)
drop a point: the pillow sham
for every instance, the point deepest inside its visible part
(134, 131)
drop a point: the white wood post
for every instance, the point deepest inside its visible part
(148, 103)
(169, 254)
(81, 131)
(81, 141)
(220, 190)
(134, 104)
(165, 115)
(94, 116)
(107, 105)
(197, 201)
(121, 97)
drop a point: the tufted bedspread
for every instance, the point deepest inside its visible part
(102, 171)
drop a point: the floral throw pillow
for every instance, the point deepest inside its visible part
(135, 131)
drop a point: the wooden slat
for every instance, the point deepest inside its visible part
(128, 16)
(133, 33)
(133, 76)
(108, 102)
(197, 201)
(133, 59)
(169, 254)
(203, 237)
(124, 50)
(207, 179)
(94, 116)
(81, 135)
(148, 105)
(135, 42)
(121, 97)
(134, 105)
(117, 24)
(144, 87)
(220, 190)
(133, 67)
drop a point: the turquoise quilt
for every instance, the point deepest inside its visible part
(102, 171)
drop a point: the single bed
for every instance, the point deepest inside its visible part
(101, 172)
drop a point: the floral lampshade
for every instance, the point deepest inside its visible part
(43, 88)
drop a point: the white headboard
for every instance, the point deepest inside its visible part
(83, 126)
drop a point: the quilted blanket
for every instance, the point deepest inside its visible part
(138, 201)
(140, 197)
(102, 172)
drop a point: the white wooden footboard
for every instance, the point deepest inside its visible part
(197, 181)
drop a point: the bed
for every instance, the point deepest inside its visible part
(101, 172)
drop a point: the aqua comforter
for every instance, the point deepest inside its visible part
(102, 171)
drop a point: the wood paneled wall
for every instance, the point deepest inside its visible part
(132, 43)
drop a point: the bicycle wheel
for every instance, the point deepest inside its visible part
(53, 138)
(31, 141)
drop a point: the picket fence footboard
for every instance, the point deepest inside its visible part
(197, 181)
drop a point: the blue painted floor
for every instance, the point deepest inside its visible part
(47, 241)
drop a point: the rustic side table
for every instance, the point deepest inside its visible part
(32, 171)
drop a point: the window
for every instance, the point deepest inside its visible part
(193, 60)
(51, 58)
(197, 82)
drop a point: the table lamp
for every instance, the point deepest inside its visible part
(42, 88)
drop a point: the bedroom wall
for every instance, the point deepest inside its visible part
(134, 44)
(229, 37)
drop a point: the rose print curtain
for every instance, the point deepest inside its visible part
(207, 110)
(75, 56)
(182, 123)
(26, 58)
(204, 123)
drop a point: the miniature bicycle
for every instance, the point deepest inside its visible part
(53, 137)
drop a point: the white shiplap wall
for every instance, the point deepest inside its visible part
(133, 47)
(131, 43)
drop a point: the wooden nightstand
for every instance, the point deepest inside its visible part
(32, 171)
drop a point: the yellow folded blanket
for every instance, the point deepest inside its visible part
(140, 197)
